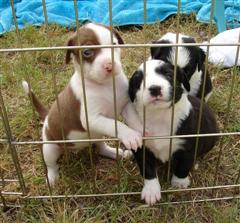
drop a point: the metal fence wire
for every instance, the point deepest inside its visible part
(19, 192)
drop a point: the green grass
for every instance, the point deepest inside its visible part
(77, 171)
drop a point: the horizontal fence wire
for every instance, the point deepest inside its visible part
(8, 181)
(11, 193)
(137, 45)
(4, 141)
(140, 207)
(129, 193)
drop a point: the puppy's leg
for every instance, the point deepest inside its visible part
(51, 153)
(151, 191)
(207, 96)
(131, 117)
(110, 152)
(106, 126)
(182, 162)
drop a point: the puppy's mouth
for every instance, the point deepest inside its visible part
(110, 73)
(159, 101)
(156, 100)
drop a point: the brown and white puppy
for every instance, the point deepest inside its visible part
(98, 71)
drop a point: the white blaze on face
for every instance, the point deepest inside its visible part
(104, 56)
(183, 54)
(154, 79)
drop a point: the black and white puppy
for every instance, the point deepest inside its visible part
(190, 58)
(157, 98)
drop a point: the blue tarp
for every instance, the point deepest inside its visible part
(125, 12)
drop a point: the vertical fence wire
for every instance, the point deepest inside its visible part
(237, 190)
(173, 106)
(27, 77)
(114, 88)
(2, 177)
(55, 92)
(84, 96)
(12, 148)
(204, 83)
(24, 62)
(238, 176)
(144, 81)
(233, 81)
(4, 203)
(174, 92)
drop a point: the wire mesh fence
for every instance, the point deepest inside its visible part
(13, 185)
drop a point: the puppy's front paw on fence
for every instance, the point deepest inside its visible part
(131, 139)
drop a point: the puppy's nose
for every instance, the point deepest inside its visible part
(108, 67)
(155, 90)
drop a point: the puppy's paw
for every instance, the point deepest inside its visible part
(151, 192)
(131, 139)
(52, 176)
(180, 182)
(127, 154)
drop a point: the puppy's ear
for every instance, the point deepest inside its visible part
(71, 42)
(160, 53)
(188, 40)
(201, 58)
(155, 51)
(134, 84)
(119, 38)
(182, 78)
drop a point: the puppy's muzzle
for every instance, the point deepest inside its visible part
(155, 91)
(108, 67)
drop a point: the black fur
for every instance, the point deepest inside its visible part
(134, 84)
(155, 90)
(150, 167)
(168, 70)
(182, 159)
(196, 61)
(161, 53)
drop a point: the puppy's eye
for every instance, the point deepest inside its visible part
(114, 43)
(87, 53)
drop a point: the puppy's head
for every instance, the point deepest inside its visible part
(190, 58)
(97, 63)
(159, 89)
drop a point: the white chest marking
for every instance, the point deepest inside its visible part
(100, 98)
(158, 122)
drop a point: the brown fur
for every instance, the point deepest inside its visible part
(69, 107)
(86, 37)
(68, 118)
(42, 111)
